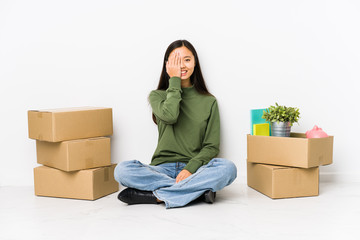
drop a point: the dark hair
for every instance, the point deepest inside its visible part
(196, 79)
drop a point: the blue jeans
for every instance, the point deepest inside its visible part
(215, 175)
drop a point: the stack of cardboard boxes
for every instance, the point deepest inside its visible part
(284, 167)
(74, 148)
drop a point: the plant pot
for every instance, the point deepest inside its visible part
(281, 129)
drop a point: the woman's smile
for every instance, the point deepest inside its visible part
(183, 72)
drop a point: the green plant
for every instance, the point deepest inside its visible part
(281, 114)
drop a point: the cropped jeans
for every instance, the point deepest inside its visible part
(160, 179)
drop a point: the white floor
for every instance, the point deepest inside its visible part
(238, 213)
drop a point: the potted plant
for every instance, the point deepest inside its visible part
(281, 119)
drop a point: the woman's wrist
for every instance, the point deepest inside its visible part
(174, 75)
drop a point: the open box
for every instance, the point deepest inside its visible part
(294, 151)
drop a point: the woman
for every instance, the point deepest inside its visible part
(183, 167)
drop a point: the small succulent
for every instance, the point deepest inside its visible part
(279, 113)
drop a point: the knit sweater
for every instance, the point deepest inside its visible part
(188, 123)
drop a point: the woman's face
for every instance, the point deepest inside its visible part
(187, 63)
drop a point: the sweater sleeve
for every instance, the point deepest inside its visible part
(211, 142)
(167, 110)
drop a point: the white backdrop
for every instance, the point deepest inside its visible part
(69, 53)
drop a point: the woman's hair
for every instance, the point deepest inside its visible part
(196, 78)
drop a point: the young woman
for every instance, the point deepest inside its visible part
(183, 167)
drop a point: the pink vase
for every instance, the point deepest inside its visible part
(316, 132)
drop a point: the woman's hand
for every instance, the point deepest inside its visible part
(173, 65)
(183, 175)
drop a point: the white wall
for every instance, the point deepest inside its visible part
(109, 53)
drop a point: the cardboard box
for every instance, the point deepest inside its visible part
(87, 184)
(293, 151)
(283, 182)
(75, 154)
(58, 125)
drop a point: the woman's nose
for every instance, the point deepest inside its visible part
(182, 65)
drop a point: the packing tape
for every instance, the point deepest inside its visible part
(89, 162)
(106, 174)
